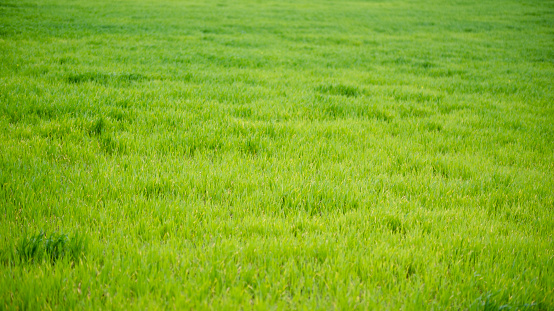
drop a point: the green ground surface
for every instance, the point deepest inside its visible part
(277, 155)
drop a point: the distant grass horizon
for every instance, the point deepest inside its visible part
(277, 155)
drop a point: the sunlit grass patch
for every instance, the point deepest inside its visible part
(276, 155)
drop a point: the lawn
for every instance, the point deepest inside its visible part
(178, 154)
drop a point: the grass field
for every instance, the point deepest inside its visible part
(277, 154)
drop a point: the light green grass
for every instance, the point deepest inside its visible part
(276, 155)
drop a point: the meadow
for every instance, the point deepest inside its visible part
(311, 155)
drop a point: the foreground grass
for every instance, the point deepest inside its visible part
(326, 155)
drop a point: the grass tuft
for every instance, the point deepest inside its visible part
(98, 127)
(43, 247)
(339, 89)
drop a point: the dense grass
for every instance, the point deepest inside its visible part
(290, 154)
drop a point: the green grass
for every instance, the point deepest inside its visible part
(51, 248)
(277, 155)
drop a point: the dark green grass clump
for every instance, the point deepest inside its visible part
(43, 247)
(339, 89)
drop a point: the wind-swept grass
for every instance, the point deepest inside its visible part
(276, 155)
